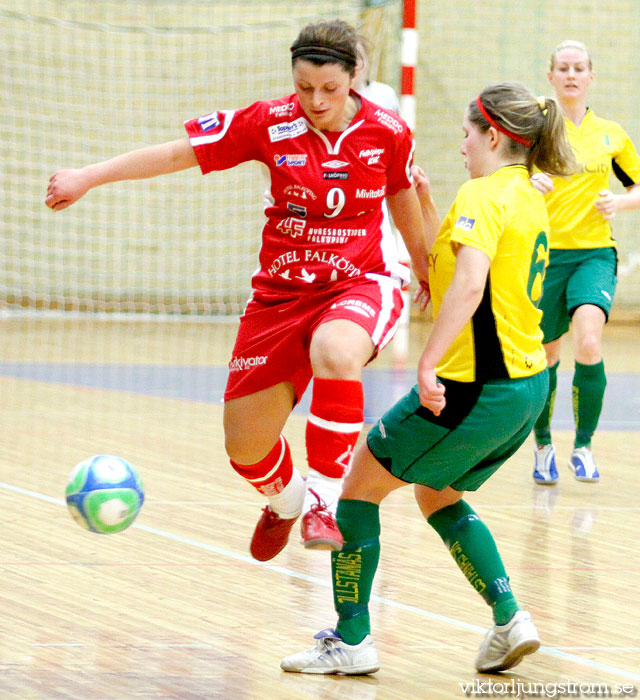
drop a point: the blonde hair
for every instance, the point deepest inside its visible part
(569, 44)
(535, 126)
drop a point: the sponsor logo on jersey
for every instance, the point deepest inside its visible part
(287, 130)
(335, 235)
(239, 364)
(297, 259)
(282, 110)
(368, 152)
(289, 258)
(297, 209)
(336, 175)
(333, 260)
(291, 159)
(465, 223)
(389, 121)
(335, 164)
(209, 121)
(299, 191)
(593, 167)
(370, 194)
(291, 226)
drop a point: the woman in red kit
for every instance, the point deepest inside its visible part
(326, 296)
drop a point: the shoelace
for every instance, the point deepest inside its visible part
(329, 651)
(321, 510)
(272, 517)
(319, 506)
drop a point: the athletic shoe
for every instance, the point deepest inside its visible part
(319, 528)
(582, 465)
(544, 465)
(332, 655)
(271, 534)
(504, 646)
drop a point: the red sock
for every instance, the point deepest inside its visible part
(271, 474)
(335, 420)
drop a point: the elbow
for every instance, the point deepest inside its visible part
(475, 296)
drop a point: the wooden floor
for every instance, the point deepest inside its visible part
(176, 608)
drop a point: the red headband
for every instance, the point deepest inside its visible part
(495, 124)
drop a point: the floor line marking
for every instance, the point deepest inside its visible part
(549, 651)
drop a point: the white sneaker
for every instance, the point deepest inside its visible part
(332, 655)
(582, 465)
(544, 465)
(504, 645)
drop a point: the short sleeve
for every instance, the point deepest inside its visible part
(626, 163)
(225, 138)
(479, 220)
(399, 174)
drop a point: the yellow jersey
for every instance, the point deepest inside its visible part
(506, 218)
(601, 147)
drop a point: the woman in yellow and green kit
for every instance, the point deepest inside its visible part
(581, 276)
(482, 382)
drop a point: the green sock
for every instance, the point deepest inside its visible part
(542, 427)
(589, 382)
(354, 567)
(474, 550)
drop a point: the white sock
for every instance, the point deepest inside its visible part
(327, 488)
(288, 503)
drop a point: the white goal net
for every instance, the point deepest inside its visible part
(83, 81)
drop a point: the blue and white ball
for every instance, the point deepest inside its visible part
(104, 494)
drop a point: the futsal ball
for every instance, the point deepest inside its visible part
(104, 494)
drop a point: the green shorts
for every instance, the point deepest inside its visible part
(574, 278)
(417, 447)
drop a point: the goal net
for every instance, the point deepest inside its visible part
(83, 81)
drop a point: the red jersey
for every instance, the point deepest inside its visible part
(324, 210)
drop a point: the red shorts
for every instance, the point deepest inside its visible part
(272, 345)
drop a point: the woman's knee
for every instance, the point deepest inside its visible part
(339, 350)
(253, 423)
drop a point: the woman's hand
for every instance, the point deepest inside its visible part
(422, 185)
(430, 391)
(607, 205)
(422, 295)
(542, 182)
(65, 188)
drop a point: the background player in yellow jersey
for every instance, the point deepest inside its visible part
(482, 381)
(581, 277)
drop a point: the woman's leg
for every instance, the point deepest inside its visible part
(339, 350)
(545, 470)
(589, 383)
(472, 546)
(260, 454)
(474, 550)
(349, 648)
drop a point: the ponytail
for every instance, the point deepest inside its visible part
(534, 125)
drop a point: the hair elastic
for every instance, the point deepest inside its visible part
(313, 51)
(494, 123)
(542, 103)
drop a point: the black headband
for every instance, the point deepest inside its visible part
(321, 52)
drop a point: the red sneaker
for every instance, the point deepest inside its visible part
(271, 535)
(319, 528)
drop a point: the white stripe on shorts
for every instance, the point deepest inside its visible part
(387, 286)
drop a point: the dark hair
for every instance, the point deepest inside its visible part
(534, 125)
(327, 42)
